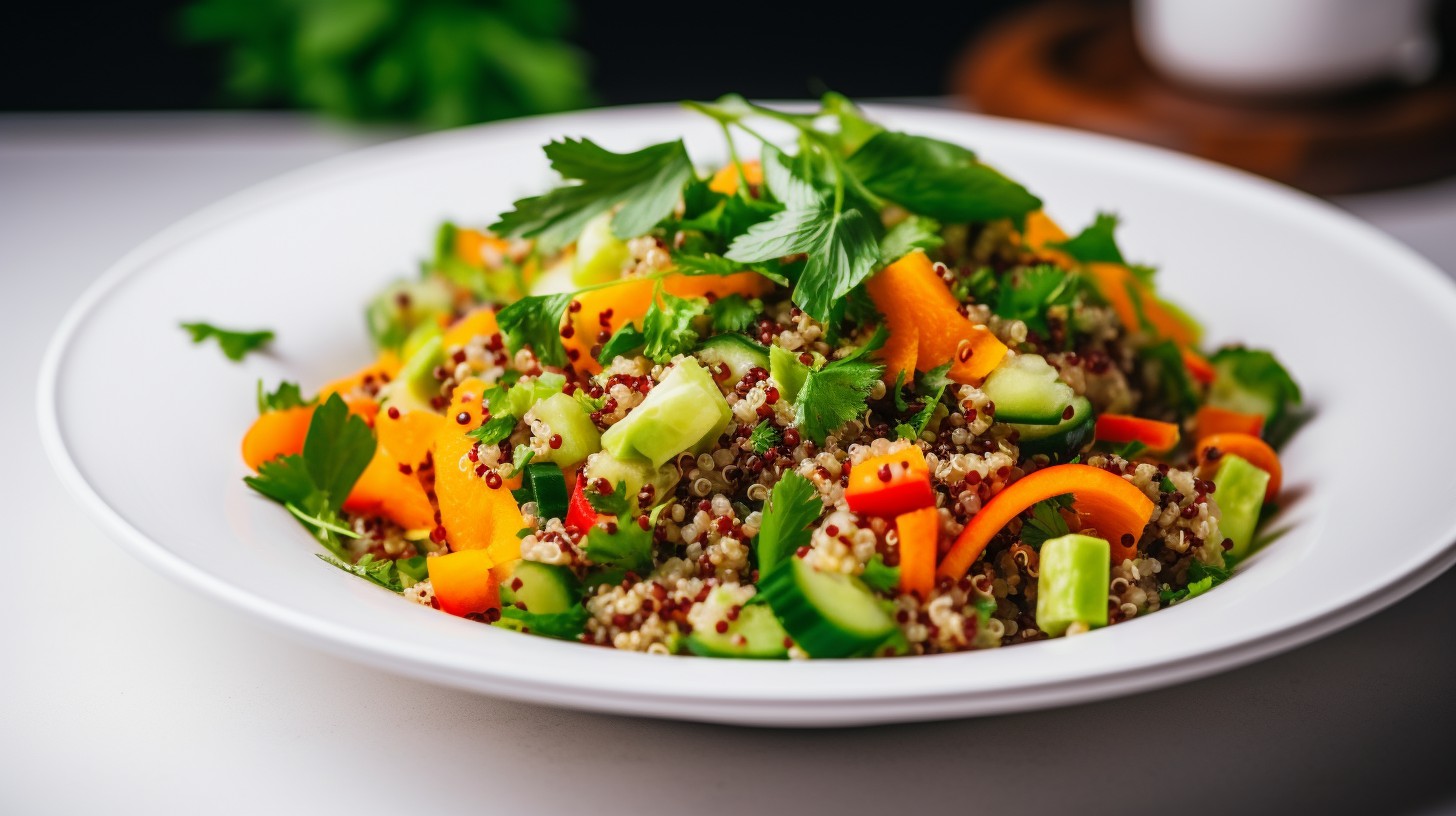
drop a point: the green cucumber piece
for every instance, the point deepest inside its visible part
(1062, 440)
(544, 484)
(763, 637)
(600, 255)
(828, 614)
(415, 385)
(545, 589)
(685, 412)
(1027, 390)
(1251, 381)
(633, 473)
(405, 305)
(1240, 497)
(787, 371)
(736, 351)
(579, 435)
(1074, 574)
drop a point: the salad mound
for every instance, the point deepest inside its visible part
(851, 394)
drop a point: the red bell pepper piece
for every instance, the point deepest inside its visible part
(890, 485)
(579, 512)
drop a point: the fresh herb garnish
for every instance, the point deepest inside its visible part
(1028, 293)
(630, 548)
(380, 572)
(938, 179)
(833, 395)
(611, 504)
(763, 436)
(1201, 578)
(879, 577)
(733, 313)
(625, 341)
(535, 321)
(496, 430)
(566, 625)
(1097, 243)
(288, 395)
(1046, 521)
(913, 233)
(791, 509)
(667, 328)
(234, 344)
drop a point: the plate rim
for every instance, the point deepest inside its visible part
(834, 710)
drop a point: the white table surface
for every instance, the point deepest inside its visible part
(121, 692)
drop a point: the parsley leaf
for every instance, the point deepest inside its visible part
(284, 479)
(496, 430)
(1096, 243)
(789, 232)
(630, 548)
(937, 179)
(879, 577)
(288, 395)
(381, 572)
(846, 255)
(710, 264)
(1201, 578)
(1029, 292)
(1045, 522)
(913, 233)
(625, 341)
(234, 344)
(535, 321)
(336, 450)
(833, 395)
(646, 183)
(791, 510)
(667, 328)
(763, 436)
(733, 313)
(611, 504)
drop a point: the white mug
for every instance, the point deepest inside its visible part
(1286, 46)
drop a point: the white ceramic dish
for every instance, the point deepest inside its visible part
(144, 427)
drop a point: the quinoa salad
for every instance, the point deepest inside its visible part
(845, 393)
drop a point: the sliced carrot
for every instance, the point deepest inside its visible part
(1041, 231)
(408, 437)
(1212, 420)
(919, 534)
(384, 489)
(1136, 306)
(725, 181)
(1109, 503)
(464, 583)
(890, 484)
(899, 353)
(276, 433)
(1198, 366)
(1120, 428)
(913, 298)
(475, 515)
(1247, 447)
(478, 323)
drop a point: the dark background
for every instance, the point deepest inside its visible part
(128, 55)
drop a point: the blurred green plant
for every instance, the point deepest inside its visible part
(436, 63)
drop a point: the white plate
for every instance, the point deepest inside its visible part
(144, 428)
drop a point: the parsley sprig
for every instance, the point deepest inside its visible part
(234, 344)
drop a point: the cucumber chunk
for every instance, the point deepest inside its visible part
(1062, 440)
(634, 473)
(788, 371)
(737, 352)
(600, 254)
(1240, 497)
(685, 412)
(579, 435)
(1027, 390)
(829, 614)
(544, 484)
(1075, 571)
(763, 637)
(415, 385)
(404, 306)
(545, 589)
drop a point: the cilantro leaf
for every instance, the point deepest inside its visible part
(1029, 292)
(1201, 578)
(937, 179)
(879, 577)
(846, 255)
(611, 504)
(535, 321)
(646, 183)
(833, 395)
(1096, 243)
(915, 232)
(789, 232)
(763, 436)
(733, 313)
(337, 449)
(234, 344)
(1045, 522)
(630, 548)
(791, 510)
(381, 572)
(667, 328)
(285, 480)
(496, 430)
(625, 341)
(288, 395)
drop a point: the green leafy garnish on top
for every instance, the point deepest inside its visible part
(234, 344)
(792, 507)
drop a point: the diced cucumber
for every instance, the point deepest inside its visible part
(763, 637)
(579, 435)
(544, 484)
(545, 589)
(422, 334)
(788, 371)
(736, 351)
(1027, 390)
(600, 254)
(633, 473)
(415, 385)
(829, 614)
(404, 305)
(1072, 586)
(528, 391)
(1240, 497)
(1062, 440)
(685, 412)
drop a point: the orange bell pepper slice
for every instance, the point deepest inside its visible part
(1118, 510)
(282, 433)
(475, 515)
(914, 300)
(464, 582)
(919, 534)
(1250, 448)
(1121, 428)
(478, 323)
(891, 484)
(1212, 420)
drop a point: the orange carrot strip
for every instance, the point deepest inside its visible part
(919, 534)
(913, 298)
(475, 515)
(1120, 428)
(1198, 366)
(1247, 447)
(1111, 504)
(1212, 420)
